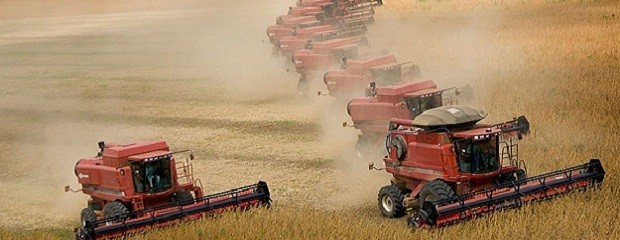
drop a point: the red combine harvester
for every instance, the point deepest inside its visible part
(303, 37)
(285, 25)
(337, 13)
(451, 169)
(371, 114)
(310, 3)
(140, 186)
(322, 55)
(359, 73)
(299, 38)
(332, 8)
(299, 11)
(341, 3)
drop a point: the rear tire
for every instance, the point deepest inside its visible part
(88, 215)
(114, 209)
(435, 190)
(390, 202)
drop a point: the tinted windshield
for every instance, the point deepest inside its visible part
(477, 156)
(151, 176)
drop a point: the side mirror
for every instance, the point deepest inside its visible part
(371, 166)
(191, 156)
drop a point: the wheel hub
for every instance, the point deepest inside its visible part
(387, 203)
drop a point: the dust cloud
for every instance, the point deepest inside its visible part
(51, 117)
(33, 194)
(462, 49)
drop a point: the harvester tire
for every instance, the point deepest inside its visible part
(114, 209)
(390, 201)
(88, 214)
(183, 197)
(435, 190)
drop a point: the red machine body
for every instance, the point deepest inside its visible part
(359, 73)
(299, 11)
(303, 38)
(139, 186)
(338, 19)
(444, 153)
(308, 3)
(323, 55)
(300, 37)
(432, 155)
(285, 25)
(340, 14)
(110, 177)
(371, 114)
(448, 169)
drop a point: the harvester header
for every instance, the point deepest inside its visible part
(509, 195)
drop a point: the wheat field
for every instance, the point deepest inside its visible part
(200, 75)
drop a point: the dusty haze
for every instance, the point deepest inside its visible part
(76, 72)
(202, 76)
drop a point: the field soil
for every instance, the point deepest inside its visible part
(202, 76)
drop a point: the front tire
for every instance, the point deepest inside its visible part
(114, 209)
(435, 190)
(390, 202)
(88, 215)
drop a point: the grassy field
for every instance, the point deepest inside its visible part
(206, 80)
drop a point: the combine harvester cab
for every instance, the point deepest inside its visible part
(371, 114)
(449, 169)
(359, 73)
(141, 186)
